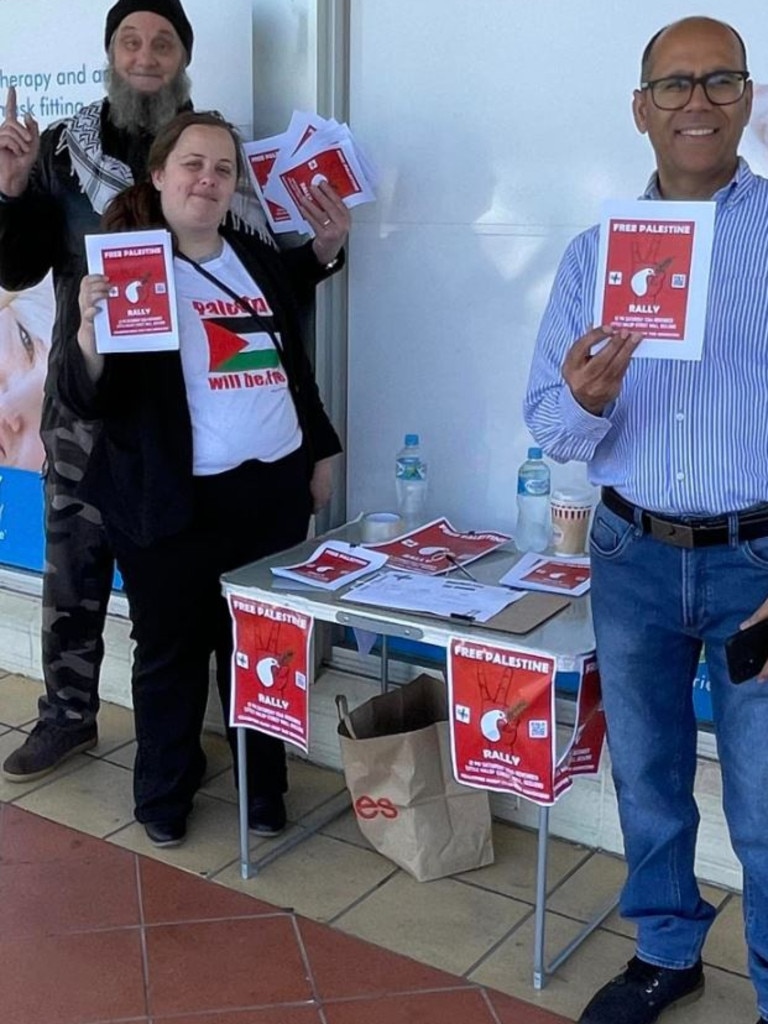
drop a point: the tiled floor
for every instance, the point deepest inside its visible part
(98, 930)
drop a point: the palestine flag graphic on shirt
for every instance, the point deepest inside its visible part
(239, 343)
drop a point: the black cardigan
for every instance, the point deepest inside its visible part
(140, 473)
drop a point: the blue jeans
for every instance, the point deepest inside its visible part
(653, 606)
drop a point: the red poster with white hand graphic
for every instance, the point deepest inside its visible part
(582, 755)
(261, 160)
(502, 718)
(269, 670)
(653, 267)
(648, 276)
(332, 165)
(139, 313)
(437, 547)
(138, 290)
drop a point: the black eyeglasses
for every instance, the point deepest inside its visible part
(720, 87)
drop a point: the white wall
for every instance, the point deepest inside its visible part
(497, 127)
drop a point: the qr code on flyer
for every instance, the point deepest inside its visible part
(538, 729)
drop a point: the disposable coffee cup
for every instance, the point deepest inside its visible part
(571, 510)
(376, 527)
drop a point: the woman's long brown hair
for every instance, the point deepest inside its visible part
(139, 205)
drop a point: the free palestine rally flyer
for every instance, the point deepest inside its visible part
(653, 273)
(140, 313)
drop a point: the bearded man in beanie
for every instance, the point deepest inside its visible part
(54, 187)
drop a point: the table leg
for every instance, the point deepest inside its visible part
(384, 663)
(539, 971)
(242, 804)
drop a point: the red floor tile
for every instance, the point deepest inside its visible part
(28, 839)
(214, 965)
(69, 979)
(60, 896)
(515, 1011)
(169, 895)
(342, 966)
(213, 956)
(457, 1007)
(281, 1015)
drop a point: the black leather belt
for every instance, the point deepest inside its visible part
(690, 532)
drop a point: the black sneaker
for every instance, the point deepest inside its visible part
(642, 992)
(266, 815)
(172, 832)
(46, 747)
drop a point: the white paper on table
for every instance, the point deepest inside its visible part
(139, 315)
(569, 576)
(332, 565)
(449, 597)
(653, 273)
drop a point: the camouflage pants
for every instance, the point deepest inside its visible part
(77, 578)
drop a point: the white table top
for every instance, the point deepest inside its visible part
(566, 635)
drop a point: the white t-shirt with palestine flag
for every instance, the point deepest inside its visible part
(237, 389)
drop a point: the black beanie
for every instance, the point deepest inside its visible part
(171, 10)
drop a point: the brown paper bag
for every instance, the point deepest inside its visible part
(397, 762)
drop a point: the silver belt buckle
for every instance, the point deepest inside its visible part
(677, 534)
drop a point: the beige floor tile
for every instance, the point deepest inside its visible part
(123, 756)
(309, 787)
(345, 827)
(18, 699)
(727, 999)
(510, 967)
(220, 786)
(96, 797)
(212, 840)
(319, 878)
(115, 728)
(514, 869)
(424, 920)
(725, 946)
(590, 888)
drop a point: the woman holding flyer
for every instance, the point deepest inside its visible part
(209, 457)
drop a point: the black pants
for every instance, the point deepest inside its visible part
(180, 618)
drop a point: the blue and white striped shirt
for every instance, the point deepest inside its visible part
(683, 437)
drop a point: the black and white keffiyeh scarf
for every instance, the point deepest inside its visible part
(102, 177)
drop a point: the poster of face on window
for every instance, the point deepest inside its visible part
(54, 83)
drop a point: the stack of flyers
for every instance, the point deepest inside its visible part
(437, 547)
(311, 150)
(554, 575)
(332, 565)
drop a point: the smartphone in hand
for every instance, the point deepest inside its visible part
(747, 651)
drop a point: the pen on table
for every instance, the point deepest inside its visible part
(457, 565)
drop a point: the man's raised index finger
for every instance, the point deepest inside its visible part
(10, 104)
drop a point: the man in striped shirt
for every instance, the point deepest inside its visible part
(680, 540)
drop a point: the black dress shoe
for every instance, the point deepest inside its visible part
(642, 992)
(266, 815)
(172, 832)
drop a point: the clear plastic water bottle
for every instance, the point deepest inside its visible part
(534, 523)
(411, 479)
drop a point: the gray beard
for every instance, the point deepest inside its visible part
(145, 111)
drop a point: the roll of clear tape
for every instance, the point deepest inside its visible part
(376, 527)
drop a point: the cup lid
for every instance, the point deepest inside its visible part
(575, 496)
